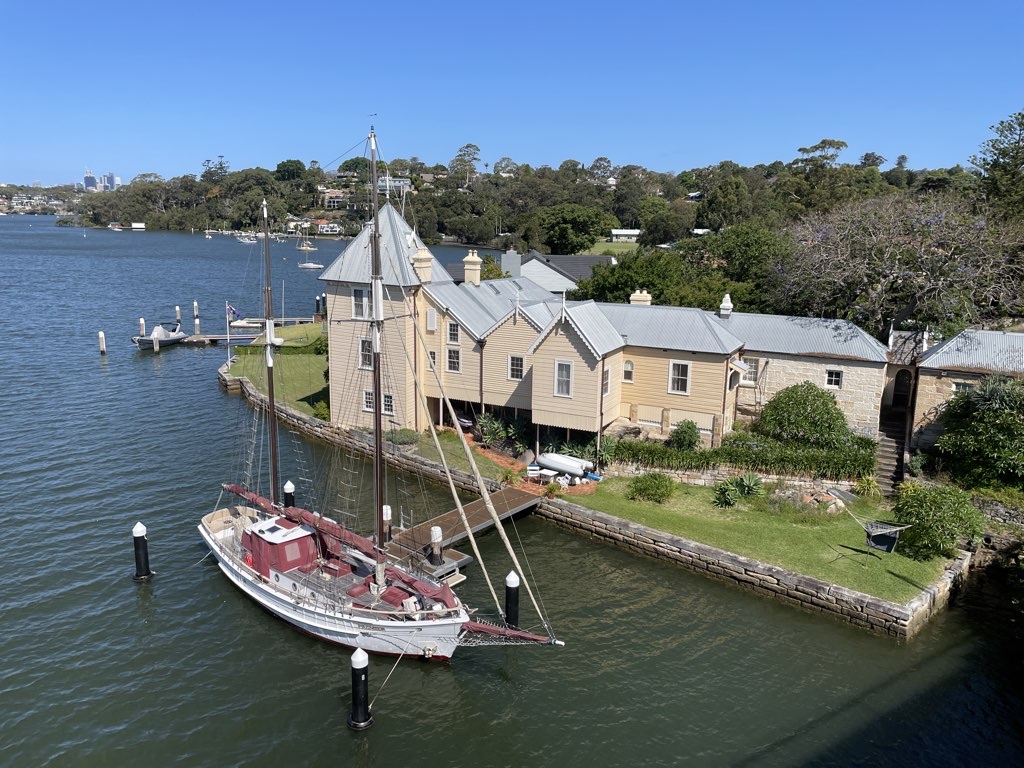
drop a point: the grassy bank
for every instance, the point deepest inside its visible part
(826, 547)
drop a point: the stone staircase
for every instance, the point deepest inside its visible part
(889, 458)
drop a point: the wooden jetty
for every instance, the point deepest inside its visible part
(416, 540)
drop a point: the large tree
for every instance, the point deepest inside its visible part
(1001, 160)
(571, 228)
(464, 162)
(933, 258)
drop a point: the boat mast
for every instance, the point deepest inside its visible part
(376, 326)
(268, 332)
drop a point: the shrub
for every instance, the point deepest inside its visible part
(916, 465)
(983, 433)
(652, 486)
(940, 517)
(493, 431)
(511, 476)
(867, 487)
(806, 413)
(726, 494)
(685, 436)
(403, 436)
(551, 490)
(749, 484)
(320, 345)
(321, 411)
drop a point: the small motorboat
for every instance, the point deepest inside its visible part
(163, 335)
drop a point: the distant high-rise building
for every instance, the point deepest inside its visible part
(111, 182)
(91, 183)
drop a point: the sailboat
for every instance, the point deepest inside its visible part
(304, 244)
(332, 582)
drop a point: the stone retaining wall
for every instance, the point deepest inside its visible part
(861, 610)
(711, 476)
(900, 621)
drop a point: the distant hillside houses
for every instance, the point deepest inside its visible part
(625, 235)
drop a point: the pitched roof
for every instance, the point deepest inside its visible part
(398, 246)
(661, 327)
(575, 267)
(593, 328)
(481, 308)
(811, 336)
(978, 352)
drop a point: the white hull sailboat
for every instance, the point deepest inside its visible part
(334, 583)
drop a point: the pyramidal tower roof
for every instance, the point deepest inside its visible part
(398, 246)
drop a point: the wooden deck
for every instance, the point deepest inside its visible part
(507, 502)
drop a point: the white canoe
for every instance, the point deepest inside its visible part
(569, 465)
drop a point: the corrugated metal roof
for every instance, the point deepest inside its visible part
(814, 336)
(681, 328)
(398, 246)
(543, 275)
(478, 308)
(593, 325)
(980, 351)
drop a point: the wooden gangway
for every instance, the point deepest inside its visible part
(507, 502)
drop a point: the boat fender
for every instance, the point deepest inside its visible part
(248, 559)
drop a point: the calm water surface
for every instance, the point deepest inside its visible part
(660, 667)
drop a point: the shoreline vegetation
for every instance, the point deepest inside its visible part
(797, 538)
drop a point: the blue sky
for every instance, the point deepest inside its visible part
(159, 87)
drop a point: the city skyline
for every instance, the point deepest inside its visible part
(666, 86)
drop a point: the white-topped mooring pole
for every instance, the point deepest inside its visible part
(289, 494)
(177, 313)
(195, 315)
(103, 344)
(361, 718)
(436, 536)
(512, 599)
(142, 571)
(142, 326)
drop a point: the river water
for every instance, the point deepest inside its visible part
(660, 667)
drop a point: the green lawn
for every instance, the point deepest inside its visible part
(455, 455)
(298, 376)
(804, 542)
(615, 249)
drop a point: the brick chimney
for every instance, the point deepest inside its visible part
(422, 263)
(726, 308)
(471, 264)
(640, 297)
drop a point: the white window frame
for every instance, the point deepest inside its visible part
(431, 319)
(362, 307)
(453, 332)
(606, 381)
(458, 360)
(522, 367)
(962, 386)
(749, 378)
(369, 402)
(365, 354)
(627, 372)
(432, 359)
(833, 373)
(555, 392)
(671, 375)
